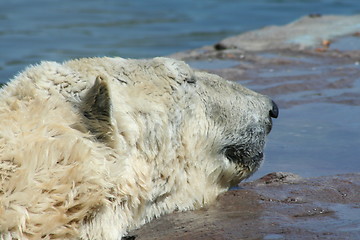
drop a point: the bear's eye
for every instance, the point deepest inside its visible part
(190, 80)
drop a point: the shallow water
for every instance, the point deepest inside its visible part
(31, 31)
(314, 139)
(308, 139)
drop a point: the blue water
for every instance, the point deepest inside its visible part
(310, 140)
(314, 140)
(31, 31)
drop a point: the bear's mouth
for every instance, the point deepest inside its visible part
(246, 159)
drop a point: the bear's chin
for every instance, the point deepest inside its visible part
(244, 157)
(246, 162)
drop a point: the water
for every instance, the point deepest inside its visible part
(320, 134)
(312, 144)
(31, 31)
(314, 140)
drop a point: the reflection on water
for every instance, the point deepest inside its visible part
(318, 131)
(347, 43)
(273, 236)
(314, 140)
(349, 216)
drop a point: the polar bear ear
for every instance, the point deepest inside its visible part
(96, 109)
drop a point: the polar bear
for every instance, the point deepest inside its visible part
(93, 148)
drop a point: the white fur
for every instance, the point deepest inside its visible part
(93, 148)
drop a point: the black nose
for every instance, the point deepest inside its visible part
(274, 112)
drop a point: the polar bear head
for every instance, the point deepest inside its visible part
(140, 137)
(194, 130)
(215, 125)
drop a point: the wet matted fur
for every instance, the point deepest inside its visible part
(93, 148)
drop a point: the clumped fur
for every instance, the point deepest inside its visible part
(93, 148)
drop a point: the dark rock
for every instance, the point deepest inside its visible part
(220, 46)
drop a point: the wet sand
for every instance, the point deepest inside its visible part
(277, 206)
